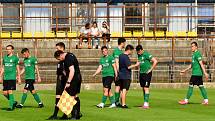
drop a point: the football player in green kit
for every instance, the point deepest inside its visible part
(118, 51)
(109, 71)
(10, 72)
(30, 65)
(198, 70)
(147, 63)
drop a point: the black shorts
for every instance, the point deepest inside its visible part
(117, 81)
(29, 84)
(145, 79)
(107, 37)
(75, 86)
(125, 84)
(85, 38)
(9, 85)
(107, 81)
(196, 80)
(60, 85)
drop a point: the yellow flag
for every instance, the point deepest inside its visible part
(66, 103)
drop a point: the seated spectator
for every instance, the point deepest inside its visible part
(95, 33)
(85, 34)
(105, 31)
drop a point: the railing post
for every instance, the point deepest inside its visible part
(173, 61)
(1, 53)
(35, 47)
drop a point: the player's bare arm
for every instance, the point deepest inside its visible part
(71, 74)
(135, 65)
(18, 74)
(117, 64)
(204, 70)
(98, 70)
(185, 70)
(1, 73)
(154, 63)
(38, 73)
(115, 70)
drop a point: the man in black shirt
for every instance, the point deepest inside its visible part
(61, 82)
(125, 73)
(73, 84)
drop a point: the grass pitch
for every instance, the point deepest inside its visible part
(163, 107)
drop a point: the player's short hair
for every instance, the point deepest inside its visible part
(195, 43)
(12, 47)
(24, 50)
(58, 53)
(104, 47)
(121, 40)
(61, 44)
(129, 47)
(139, 47)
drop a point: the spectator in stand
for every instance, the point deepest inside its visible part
(85, 34)
(105, 31)
(95, 34)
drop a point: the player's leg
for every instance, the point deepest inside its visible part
(24, 97)
(189, 94)
(189, 91)
(6, 95)
(123, 96)
(117, 95)
(105, 92)
(5, 88)
(104, 98)
(37, 98)
(204, 94)
(112, 99)
(110, 94)
(10, 87)
(203, 90)
(12, 103)
(146, 97)
(125, 88)
(78, 105)
(59, 90)
(56, 109)
(76, 113)
(34, 93)
(117, 91)
(31, 88)
(146, 81)
(73, 91)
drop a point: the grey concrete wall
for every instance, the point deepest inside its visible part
(89, 58)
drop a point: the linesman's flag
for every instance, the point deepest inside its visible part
(66, 103)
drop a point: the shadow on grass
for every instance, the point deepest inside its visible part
(194, 103)
(4, 109)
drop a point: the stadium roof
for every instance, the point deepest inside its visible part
(105, 1)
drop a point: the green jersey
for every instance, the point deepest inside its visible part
(196, 67)
(145, 61)
(10, 63)
(29, 64)
(117, 52)
(107, 68)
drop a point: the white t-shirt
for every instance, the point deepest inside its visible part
(104, 30)
(85, 31)
(94, 31)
